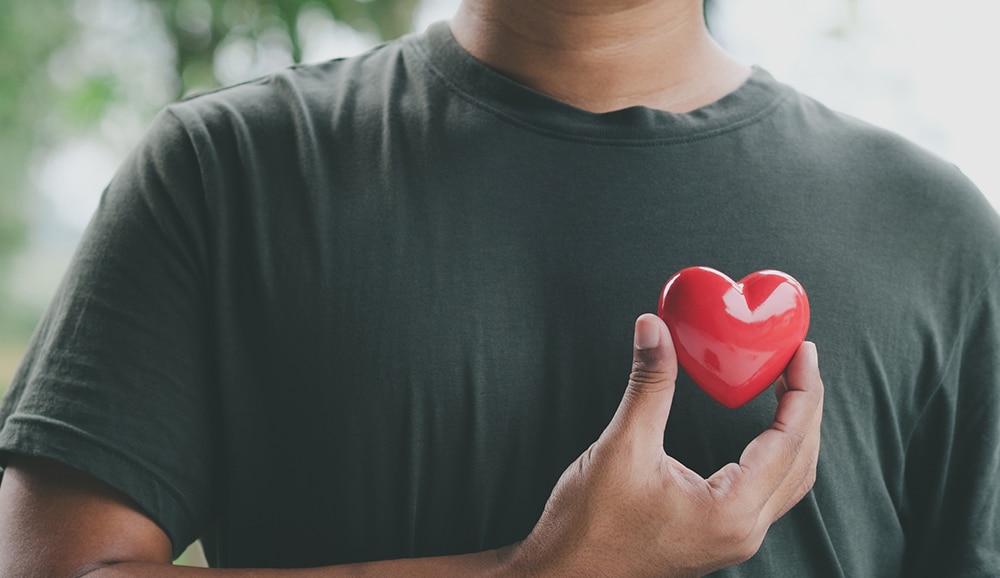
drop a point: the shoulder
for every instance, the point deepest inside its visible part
(868, 169)
(879, 154)
(289, 99)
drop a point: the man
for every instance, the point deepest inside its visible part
(367, 312)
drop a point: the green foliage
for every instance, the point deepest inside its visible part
(76, 69)
(88, 102)
(200, 27)
(34, 111)
(29, 33)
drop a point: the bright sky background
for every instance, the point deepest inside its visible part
(925, 69)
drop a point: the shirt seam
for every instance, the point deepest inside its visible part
(26, 423)
(764, 112)
(953, 353)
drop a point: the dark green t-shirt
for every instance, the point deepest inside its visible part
(372, 309)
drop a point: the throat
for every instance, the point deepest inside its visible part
(602, 60)
(674, 87)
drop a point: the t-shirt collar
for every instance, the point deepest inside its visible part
(491, 90)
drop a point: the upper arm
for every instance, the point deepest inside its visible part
(55, 522)
(951, 501)
(118, 381)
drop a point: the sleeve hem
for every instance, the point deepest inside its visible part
(40, 437)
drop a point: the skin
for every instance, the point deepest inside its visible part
(602, 55)
(622, 508)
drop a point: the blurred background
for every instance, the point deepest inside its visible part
(81, 79)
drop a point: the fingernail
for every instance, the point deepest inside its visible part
(647, 334)
(811, 356)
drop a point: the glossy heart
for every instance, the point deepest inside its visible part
(734, 339)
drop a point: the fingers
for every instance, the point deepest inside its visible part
(645, 406)
(800, 393)
(802, 375)
(779, 466)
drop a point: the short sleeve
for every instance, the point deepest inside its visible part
(117, 381)
(951, 509)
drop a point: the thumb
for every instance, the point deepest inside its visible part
(645, 407)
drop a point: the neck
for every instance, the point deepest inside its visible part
(602, 55)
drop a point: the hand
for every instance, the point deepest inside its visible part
(626, 508)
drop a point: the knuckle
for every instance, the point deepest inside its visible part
(742, 541)
(737, 533)
(603, 461)
(643, 380)
(746, 551)
(726, 528)
(590, 459)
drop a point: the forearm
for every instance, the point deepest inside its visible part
(56, 522)
(489, 563)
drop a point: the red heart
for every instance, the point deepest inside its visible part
(734, 339)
